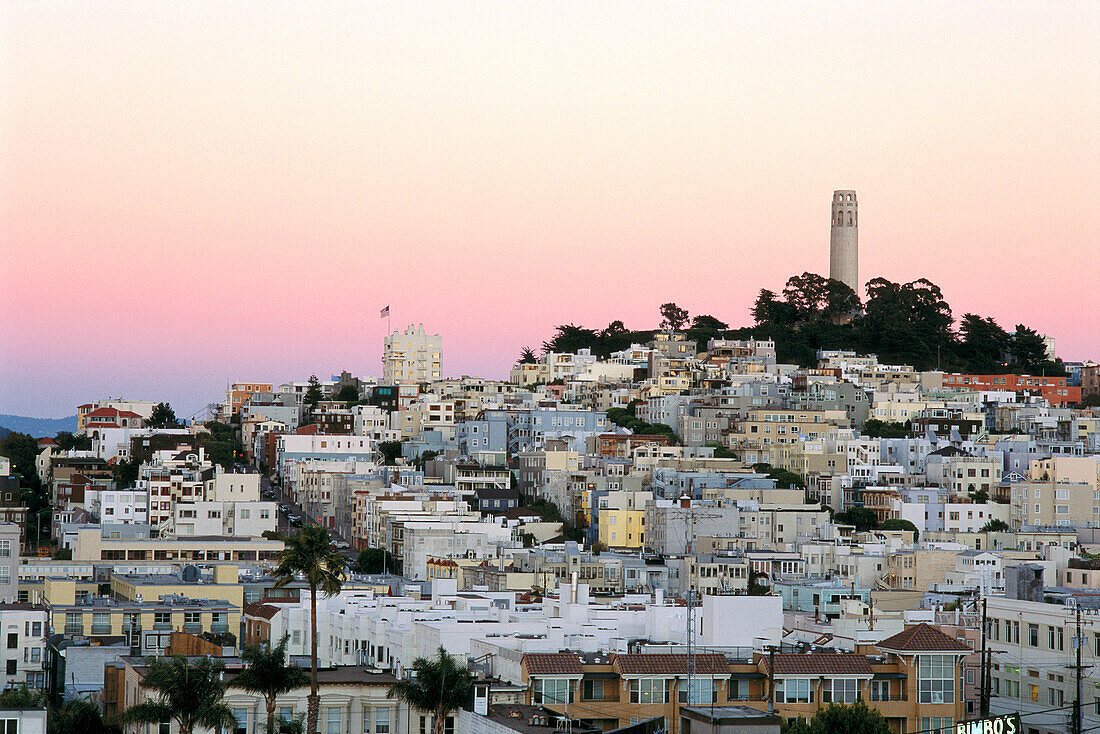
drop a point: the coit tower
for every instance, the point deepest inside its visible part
(844, 240)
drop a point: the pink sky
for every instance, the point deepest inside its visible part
(201, 191)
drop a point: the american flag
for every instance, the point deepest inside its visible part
(384, 312)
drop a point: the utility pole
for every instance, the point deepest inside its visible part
(771, 679)
(983, 697)
(1077, 643)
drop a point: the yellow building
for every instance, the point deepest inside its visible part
(148, 623)
(221, 585)
(621, 528)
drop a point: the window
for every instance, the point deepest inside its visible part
(286, 713)
(936, 724)
(11, 667)
(880, 690)
(1033, 635)
(794, 690)
(553, 690)
(840, 690)
(649, 690)
(241, 715)
(936, 678)
(74, 623)
(703, 690)
(13, 640)
(592, 690)
(333, 720)
(382, 720)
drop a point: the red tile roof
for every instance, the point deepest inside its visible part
(553, 663)
(671, 664)
(822, 663)
(922, 638)
(112, 413)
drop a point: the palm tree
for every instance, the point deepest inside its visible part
(308, 553)
(269, 675)
(190, 694)
(439, 686)
(79, 715)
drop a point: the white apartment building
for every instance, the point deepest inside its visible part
(222, 519)
(25, 628)
(234, 486)
(120, 506)
(1061, 504)
(9, 562)
(412, 357)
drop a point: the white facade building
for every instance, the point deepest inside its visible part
(412, 357)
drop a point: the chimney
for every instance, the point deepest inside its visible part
(573, 589)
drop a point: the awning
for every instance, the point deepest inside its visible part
(600, 675)
(753, 675)
(889, 676)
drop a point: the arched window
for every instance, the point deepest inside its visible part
(849, 218)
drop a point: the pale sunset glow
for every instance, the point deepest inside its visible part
(199, 190)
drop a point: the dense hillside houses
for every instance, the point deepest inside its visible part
(674, 530)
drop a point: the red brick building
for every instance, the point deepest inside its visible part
(1054, 390)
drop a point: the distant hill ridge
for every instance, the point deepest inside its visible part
(37, 427)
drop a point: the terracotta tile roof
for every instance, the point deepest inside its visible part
(671, 664)
(260, 609)
(821, 663)
(922, 638)
(553, 663)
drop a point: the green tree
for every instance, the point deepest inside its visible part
(438, 686)
(983, 346)
(860, 517)
(79, 715)
(391, 451)
(191, 695)
(163, 416)
(706, 322)
(22, 450)
(673, 317)
(721, 452)
(837, 718)
(63, 554)
(570, 338)
(897, 524)
(269, 676)
(22, 698)
(906, 322)
(1029, 351)
(770, 309)
(348, 394)
(309, 554)
(377, 560)
(125, 473)
(67, 441)
(996, 525)
(874, 428)
(313, 392)
(527, 356)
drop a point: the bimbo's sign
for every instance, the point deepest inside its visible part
(1006, 724)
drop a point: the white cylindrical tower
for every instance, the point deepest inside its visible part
(844, 240)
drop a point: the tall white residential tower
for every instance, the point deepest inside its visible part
(844, 240)
(412, 357)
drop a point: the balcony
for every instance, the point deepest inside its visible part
(101, 629)
(219, 627)
(162, 626)
(192, 628)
